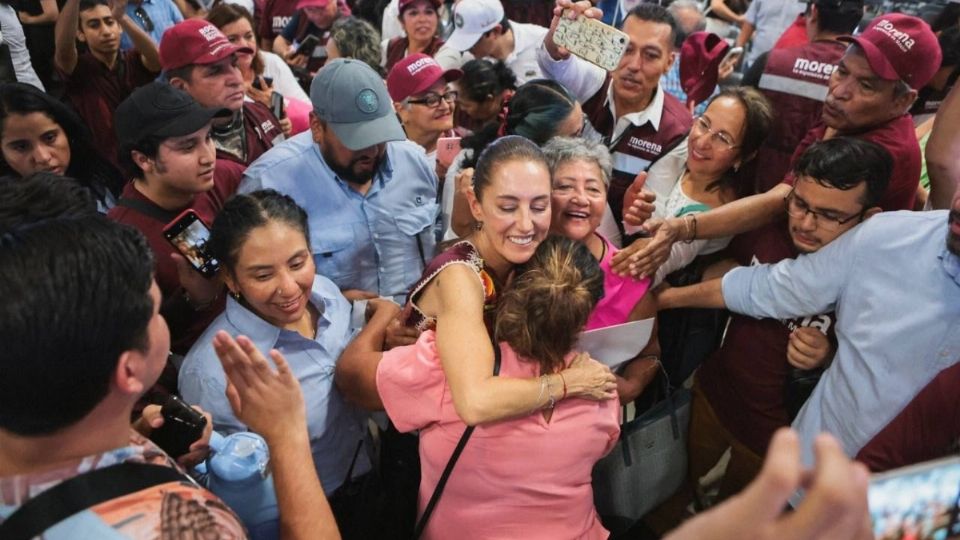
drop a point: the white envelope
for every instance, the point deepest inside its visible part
(614, 345)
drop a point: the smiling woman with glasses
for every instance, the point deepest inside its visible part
(707, 169)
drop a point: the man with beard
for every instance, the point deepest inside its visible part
(869, 95)
(369, 193)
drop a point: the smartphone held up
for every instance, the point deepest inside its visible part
(189, 235)
(917, 502)
(592, 40)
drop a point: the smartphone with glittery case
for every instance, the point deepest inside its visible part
(590, 39)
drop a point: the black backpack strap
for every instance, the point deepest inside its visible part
(81, 492)
(147, 209)
(442, 482)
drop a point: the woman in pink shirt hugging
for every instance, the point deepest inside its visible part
(581, 170)
(529, 476)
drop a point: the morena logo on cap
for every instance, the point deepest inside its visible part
(367, 101)
(420, 64)
(902, 39)
(210, 32)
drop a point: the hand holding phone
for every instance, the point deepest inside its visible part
(447, 150)
(306, 47)
(590, 39)
(182, 426)
(189, 235)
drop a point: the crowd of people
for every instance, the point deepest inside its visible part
(373, 234)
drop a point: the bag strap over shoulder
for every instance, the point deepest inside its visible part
(442, 482)
(81, 492)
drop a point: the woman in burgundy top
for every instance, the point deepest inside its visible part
(420, 22)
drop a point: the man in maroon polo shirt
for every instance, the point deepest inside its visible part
(637, 120)
(103, 76)
(198, 59)
(165, 145)
(869, 96)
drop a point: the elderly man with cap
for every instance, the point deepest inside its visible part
(868, 96)
(423, 101)
(165, 147)
(638, 121)
(198, 59)
(796, 79)
(482, 29)
(371, 195)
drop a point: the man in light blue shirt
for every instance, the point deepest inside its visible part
(371, 195)
(154, 16)
(894, 283)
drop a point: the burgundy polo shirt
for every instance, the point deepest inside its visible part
(185, 324)
(897, 137)
(274, 18)
(95, 91)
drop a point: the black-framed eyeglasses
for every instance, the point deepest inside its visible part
(799, 208)
(432, 99)
(145, 21)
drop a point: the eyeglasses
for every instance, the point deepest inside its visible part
(798, 208)
(145, 21)
(432, 99)
(701, 127)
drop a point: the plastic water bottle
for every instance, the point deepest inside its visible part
(239, 475)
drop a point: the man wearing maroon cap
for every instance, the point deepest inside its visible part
(198, 59)
(868, 96)
(418, 87)
(100, 78)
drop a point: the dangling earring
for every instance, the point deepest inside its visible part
(736, 168)
(235, 295)
(478, 226)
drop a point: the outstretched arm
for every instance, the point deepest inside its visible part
(943, 147)
(271, 404)
(356, 375)
(65, 34)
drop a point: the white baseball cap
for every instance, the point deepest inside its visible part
(472, 19)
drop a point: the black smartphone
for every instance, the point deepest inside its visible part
(182, 426)
(276, 105)
(267, 82)
(308, 44)
(189, 235)
(920, 501)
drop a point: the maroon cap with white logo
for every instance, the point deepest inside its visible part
(195, 41)
(899, 46)
(415, 74)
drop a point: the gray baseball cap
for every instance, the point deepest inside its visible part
(352, 99)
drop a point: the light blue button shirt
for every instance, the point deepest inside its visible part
(335, 426)
(163, 13)
(896, 292)
(379, 241)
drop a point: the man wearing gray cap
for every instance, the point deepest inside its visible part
(370, 195)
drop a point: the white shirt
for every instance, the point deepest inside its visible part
(390, 26)
(12, 35)
(523, 60)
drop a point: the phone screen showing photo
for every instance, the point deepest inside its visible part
(189, 236)
(917, 502)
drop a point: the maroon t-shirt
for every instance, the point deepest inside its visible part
(744, 380)
(897, 137)
(927, 428)
(186, 325)
(274, 18)
(95, 92)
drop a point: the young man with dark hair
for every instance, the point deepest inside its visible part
(482, 28)
(83, 339)
(165, 142)
(100, 78)
(198, 59)
(638, 120)
(741, 393)
(795, 80)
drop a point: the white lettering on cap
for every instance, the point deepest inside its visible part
(420, 65)
(902, 39)
(210, 32)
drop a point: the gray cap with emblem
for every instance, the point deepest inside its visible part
(352, 99)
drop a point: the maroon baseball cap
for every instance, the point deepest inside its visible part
(195, 41)
(899, 46)
(403, 4)
(416, 73)
(700, 58)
